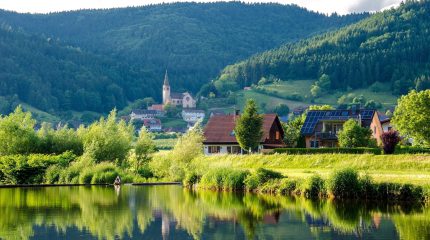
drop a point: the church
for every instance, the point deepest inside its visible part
(184, 100)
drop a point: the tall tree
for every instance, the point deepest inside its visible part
(353, 135)
(17, 135)
(249, 127)
(412, 116)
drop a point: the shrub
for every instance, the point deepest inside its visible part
(145, 172)
(52, 174)
(287, 186)
(299, 151)
(368, 188)
(30, 169)
(344, 184)
(390, 140)
(261, 175)
(191, 179)
(224, 179)
(411, 150)
(314, 187)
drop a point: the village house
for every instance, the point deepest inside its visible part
(141, 114)
(185, 100)
(220, 137)
(321, 127)
(191, 116)
(152, 125)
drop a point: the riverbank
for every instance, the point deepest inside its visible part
(392, 175)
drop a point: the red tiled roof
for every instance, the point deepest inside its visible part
(219, 129)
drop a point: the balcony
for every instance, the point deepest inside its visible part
(326, 135)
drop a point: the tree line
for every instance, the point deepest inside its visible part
(388, 47)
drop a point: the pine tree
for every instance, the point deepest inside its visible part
(249, 127)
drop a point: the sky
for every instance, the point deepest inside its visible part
(325, 6)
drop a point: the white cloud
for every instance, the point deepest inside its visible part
(326, 6)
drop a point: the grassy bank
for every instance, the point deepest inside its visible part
(413, 169)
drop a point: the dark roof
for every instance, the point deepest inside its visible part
(144, 111)
(192, 110)
(220, 128)
(175, 95)
(315, 116)
(383, 118)
(151, 122)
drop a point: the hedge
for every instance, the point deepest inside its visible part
(299, 151)
(410, 150)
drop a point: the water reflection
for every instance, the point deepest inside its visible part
(171, 212)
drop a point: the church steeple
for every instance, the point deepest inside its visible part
(166, 79)
(166, 90)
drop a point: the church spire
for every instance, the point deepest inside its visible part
(166, 79)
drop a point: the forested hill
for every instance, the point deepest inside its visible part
(194, 41)
(392, 46)
(51, 76)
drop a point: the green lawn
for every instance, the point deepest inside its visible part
(165, 144)
(173, 123)
(414, 169)
(285, 91)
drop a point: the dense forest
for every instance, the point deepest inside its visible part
(391, 47)
(99, 59)
(51, 76)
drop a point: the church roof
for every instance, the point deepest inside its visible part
(175, 95)
(166, 79)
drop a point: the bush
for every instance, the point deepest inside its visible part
(345, 184)
(390, 140)
(52, 174)
(287, 186)
(223, 179)
(314, 187)
(368, 188)
(191, 179)
(30, 169)
(253, 181)
(299, 151)
(411, 150)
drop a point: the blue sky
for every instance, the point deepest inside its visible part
(326, 6)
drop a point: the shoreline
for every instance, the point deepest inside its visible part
(87, 185)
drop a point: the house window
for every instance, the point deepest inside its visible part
(214, 149)
(233, 149)
(278, 135)
(314, 144)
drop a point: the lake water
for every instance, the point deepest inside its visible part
(171, 212)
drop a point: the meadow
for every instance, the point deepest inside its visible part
(404, 168)
(296, 93)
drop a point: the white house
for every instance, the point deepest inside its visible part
(191, 116)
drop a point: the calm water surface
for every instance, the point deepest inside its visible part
(171, 212)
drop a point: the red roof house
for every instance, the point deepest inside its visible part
(220, 137)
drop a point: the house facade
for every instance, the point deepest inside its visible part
(321, 127)
(184, 100)
(153, 125)
(220, 137)
(191, 116)
(141, 114)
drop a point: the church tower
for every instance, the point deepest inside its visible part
(166, 90)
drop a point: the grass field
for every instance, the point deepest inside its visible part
(281, 93)
(165, 144)
(414, 169)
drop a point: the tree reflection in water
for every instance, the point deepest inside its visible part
(173, 212)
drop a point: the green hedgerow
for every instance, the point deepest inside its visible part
(314, 187)
(344, 183)
(259, 177)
